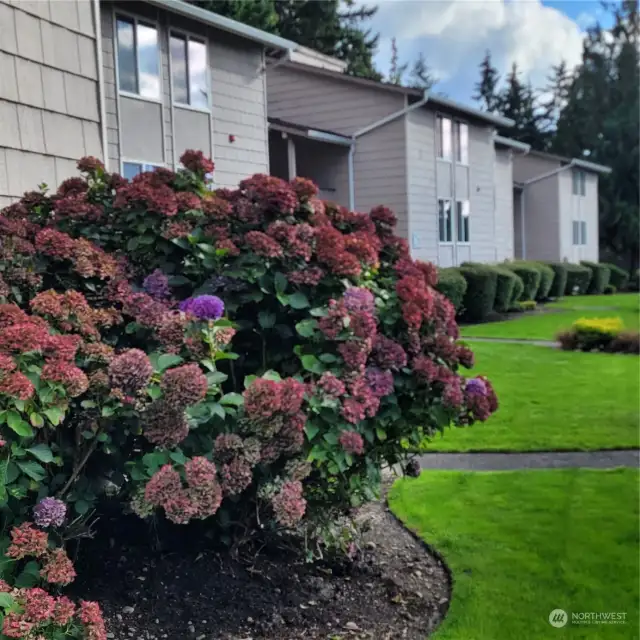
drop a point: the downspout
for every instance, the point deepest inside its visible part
(101, 103)
(375, 125)
(523, 235)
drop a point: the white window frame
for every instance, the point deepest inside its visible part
(149, 23)
(188, 35)
(446, 243)
(456, 142)
(142, 163)
(466, 242)
(440, 138)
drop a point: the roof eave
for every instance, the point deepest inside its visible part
(225, 24)
(500, 121)
(513, 144)
(590, 166)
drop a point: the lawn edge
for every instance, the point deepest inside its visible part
(511, 450)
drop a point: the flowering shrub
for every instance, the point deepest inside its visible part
(256, 355)
(600, 334)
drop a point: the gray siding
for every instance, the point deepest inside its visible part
(237, 99)
(580, 209)
(49, 114)
(504, 235)
(542, 220)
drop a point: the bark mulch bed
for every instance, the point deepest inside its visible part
(396, 590)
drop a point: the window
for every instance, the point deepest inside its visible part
(444, 220)
(462, 220)
(579, 183)
(579, 233)
(462, 143)
(189, 71)
(138, 65)
(444, 138)
(131, 169)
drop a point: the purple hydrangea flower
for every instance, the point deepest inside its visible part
(49, 511)
(359, 299)
(156, 284)
(476, 386)
(203, 307)
(381, 382)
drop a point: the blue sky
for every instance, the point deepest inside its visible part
(454, 34)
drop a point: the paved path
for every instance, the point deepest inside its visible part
(537, 343)
(532, 460)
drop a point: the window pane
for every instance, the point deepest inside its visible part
(446, 138)
(439, 136)
(444, 220)
(131, 169)
(463, 143)
(198, 96)
(463, 210)
(575, 232)
(148, 61)
(575, 188)
(126, 57)
(583, 183)
(179, 69)
(584, 232)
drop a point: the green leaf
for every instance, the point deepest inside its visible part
(331, 438)
(178, 457)
(382, 434)
(81, 507)
(30, 575)
(154, 392)
(32, 469)
(154, 460)
(234, 399)
(12, 473)
(280, 282)
(132, 245)
(55, 415)
(17, 424)
(107, 412)
(267, 319)
(311, 430)
(167, 360)
(306, 328)
(216, 377)
(42, 452)
(311, 363)
(88, 404)
(6, 600)
(327, 358)
(318, 452)
(298, 300)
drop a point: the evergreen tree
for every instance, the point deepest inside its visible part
(487, 87)
(396, 70)
(421, 77)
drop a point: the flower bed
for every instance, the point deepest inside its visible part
(600, 334)
(249, 358)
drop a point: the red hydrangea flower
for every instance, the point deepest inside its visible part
(183, 386)
(335, 320)
(58, 568)
(311, 276)
(91, 616)
(130, 371)
(388, 354)
(26, 540)
(163, 425)
(289, 505)
(16, 385)
(235, 476)
(351, 442)
(262, 399)
(164, 484)
(465, 356)
(363, 325)
(197, 162)
(160, 199)
(304, 188)
(187, 201)
(292, 396)
(263, 245)
(380, 382)
(332, 386)
(90, 164)
(63, 611)
(76, 207)
(354, 354)
(270, 193)
(73, 187)
(38, 604)
(68, 375)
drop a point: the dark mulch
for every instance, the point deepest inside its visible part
(396, 589)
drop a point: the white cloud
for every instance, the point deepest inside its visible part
(454, 34)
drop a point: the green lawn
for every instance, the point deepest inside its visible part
(522, 543)
(545, 324)
(551, 399)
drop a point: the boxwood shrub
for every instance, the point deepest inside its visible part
(618, 277)
(578, 279)
(600, 273)
(530, 276)
(479, 299)
(518, 288)
(452, 285)
(634, 282)
(505, 285)
(559, 284)
(547, 276)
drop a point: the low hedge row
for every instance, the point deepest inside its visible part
(480, 296)
(559, 284)
(578, 279)
(531, 276)
(618, 278)
(451, 283)
(600, 273)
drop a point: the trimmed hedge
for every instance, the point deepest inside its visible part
(518, 288)
(530, 276)
(480, 296)
(600, 273)
(559, 284)
(578, 279)
(505, 284)
(634, 283)
(547, 276)
(618, 277)
(452, 285)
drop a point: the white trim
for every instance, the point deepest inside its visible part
(140, 162)
(135, 96)
(114, 34)
(189, 35)
(291, 158)
(97, 20)
(171, 109)
(460, 163)
(148, 22)
(439, 142)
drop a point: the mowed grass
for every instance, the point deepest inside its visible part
(522, 543)
(552, 400)
(557, 316)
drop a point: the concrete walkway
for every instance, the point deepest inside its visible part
(532, 460)
(537, 343)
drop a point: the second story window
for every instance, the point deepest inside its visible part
(462, 221)
(462, 142)
(138, 63)
(579, 183)
(443, 137)
(189, 71)
(445, 226)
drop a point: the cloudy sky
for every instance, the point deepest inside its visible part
(454, 34)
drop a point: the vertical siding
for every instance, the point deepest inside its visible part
(237, 89)
(421, 185)
(504, 205)
(542, 218)
(49, 114)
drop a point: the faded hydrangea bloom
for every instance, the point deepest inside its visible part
(203, 307)
(49, 512)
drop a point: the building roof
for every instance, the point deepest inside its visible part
(576, 162)
(511, 144)
(313, 133)
(268, 40)
(411, 92)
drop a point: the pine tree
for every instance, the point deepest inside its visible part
(487, 88)
(396, 70)
(421, 77)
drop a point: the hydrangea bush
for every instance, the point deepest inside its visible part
(254, 356)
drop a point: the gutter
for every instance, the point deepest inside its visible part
(371, 127)
(101, 96)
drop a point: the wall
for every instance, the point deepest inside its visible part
(581, 209)
(504, 231)
(542, 219)
(49, 115)
(160, 132)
